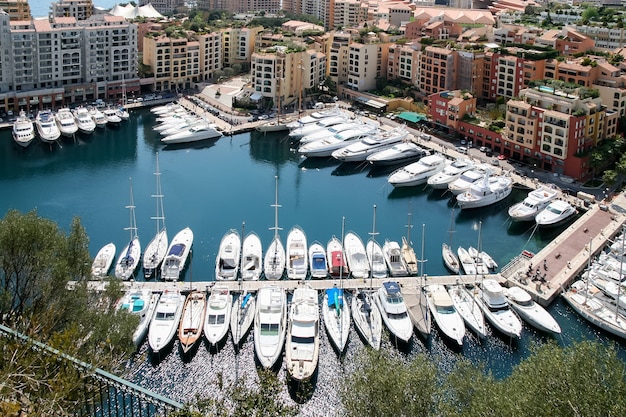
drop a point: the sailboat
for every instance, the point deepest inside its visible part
(157, 248)
(192, 321)
(450, 259)
(408, 254)
(417, 303)
(242, 316)
(129, 258)
(274, 264)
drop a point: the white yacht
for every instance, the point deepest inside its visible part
(490, 190)
(270, 325)
(464, 300)
(103, 261)
(393, 311)
(555, 214)
(98, 117)
(23, 130)
(84, 121)
(393, 257)
(218, 311)
(376, 259)
(450, 173)
(164, 324)
(359, 151)
(122, 113)
(492, 301)
(447, 318)
(418, 172)
(228, 257)
(336, 315)
(111, 116)
(465, 181)
(65, 121)
(129, 257)
(367, 319)
(315, 117)
(46, 127)
(251, 257)
(535, 201)
(296, 254)
(530, 311)
(356, 256)
(197, 132)
(302, 346)
(141, 303)
(179, 126)
(398, 154)
(336, 257)
(325, 147)
(450, 259)
(176, 256)
(318, 261)
(331, 131)
(157, 248)
(467, 262)
(322, 125)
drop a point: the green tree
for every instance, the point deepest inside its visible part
(385, 385)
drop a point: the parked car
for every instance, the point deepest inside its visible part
(501, 157)
(495, 162)
(462, 149)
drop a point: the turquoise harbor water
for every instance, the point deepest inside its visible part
(217, 185)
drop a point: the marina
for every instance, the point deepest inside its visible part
(198, 194)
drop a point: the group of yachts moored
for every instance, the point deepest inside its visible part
(599, 295)
(50, 126)
(177, 125)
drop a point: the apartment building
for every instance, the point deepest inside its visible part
(238, 45)
(16, 9)
(49, 63)
(179, 63)
(79, 9)
(338, 57)
(365, 65)
(553, 128)
(240, 6)
(604, 37)
(447, 108)
(567, 41)
(437, 70)
(170, 6)
(283, 75)
(403, 63)
(347, 13)
(509, 76)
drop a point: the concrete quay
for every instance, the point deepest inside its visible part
(290, 285)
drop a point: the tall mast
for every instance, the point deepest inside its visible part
(160, 214)
(373, 233)
(131, 207)
(276, 206)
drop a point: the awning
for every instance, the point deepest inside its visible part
(412, 117)
(372, 103)
(256, 96)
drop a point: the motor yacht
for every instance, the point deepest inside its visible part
(98, 117)
(398, 154)
(122, 113)
(311, 128)
(177, 254)
(490, 190)
(315, 117)
(303, 339)
(555, 214)
(331, 131)
(270, 325)
(531, 312)
(197, 132)
(496, 308)
(376, 259)
(418, 172)
(450, 173)
(111, 115)
(251, 257)
(227, 259)
(393, 257)
(356, 256)
(84, 121)
(296, 254)
(336, 257)
(66, 123)
(23, 130)
(447, 318)
(164, 324)
(325, 147)
(141, 303)
(46, 127)
(465, 181)
(394, 311)
(535, 201)
(218, 312)
(359, 151)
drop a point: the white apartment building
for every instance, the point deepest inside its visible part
(604, 37)
(348, 13)
(365, 65)
(238, 45)
(338, 57)
(80, 9)
(48, 63)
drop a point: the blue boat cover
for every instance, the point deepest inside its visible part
(245, 300)
(319, 261)
(391, 287)
(335, 295)
(177, 249)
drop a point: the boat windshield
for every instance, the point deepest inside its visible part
(216, 319)
(554, 210)
(445, 309)
(397, 316)
(303, 340)
(269, 329)
(165, 316)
